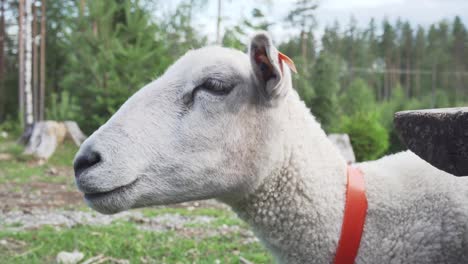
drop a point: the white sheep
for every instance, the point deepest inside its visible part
(226, 125)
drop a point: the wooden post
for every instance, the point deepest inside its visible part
(43, 61)
(21, 60)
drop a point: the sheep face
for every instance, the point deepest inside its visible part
(205, 129)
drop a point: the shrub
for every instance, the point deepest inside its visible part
(63, 108)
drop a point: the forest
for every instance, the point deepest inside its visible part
(98, 53)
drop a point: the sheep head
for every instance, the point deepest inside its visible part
(208, 128)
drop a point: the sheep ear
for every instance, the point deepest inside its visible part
(268, 66)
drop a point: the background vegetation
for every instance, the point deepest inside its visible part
(353, 79)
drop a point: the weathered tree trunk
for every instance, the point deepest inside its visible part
(2, 57)
(28, 66)
(21, 59)
(74, 132)
(82, 7)
(43, 61)
(304, 47)
(29, 108)
(35, 51)
(408, 78)
(218, 24)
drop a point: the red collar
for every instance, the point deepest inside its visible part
(354, 217)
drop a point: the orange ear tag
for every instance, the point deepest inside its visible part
(288, 61)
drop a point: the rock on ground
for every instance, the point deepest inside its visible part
(342, 142)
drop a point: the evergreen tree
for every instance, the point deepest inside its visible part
(326, 85)
(110, 41)
(460, 40)
(407, 52)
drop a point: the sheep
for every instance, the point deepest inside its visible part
(223, 124)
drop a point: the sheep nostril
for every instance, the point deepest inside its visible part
(86, 160)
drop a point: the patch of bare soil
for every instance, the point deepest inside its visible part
(46, 195)
(38, 195)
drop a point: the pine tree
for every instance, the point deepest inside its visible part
(458, 51)
(418, 57)
(120, 49)
(387, 47)
(326, 85)
(302, 16)
(407, 51)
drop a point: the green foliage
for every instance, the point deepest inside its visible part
(108, 44)
(326, 85)
(63, 108)
(98, 53)
(357, 98)
(234, 37)
(12, 127)
(368, 137)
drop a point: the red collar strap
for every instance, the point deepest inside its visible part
(353, 219)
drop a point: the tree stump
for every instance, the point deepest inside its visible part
(74, 132)
(47, 135)
(439, 136)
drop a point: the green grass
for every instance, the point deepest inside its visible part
(23, 169)
(221, 217)
(120, 239)
(124, 240)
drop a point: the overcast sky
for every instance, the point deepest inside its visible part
(422, 12)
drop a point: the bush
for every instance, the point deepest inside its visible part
(63, 108)
(12, 127)
(368, 137)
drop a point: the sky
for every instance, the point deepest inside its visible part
(418, 12)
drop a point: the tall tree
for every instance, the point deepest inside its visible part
(28, 90)
(42, 61)
(35, 61)
(326, 86)
(218, 22)
(388, 53)
(21, 59)
(2, 57)
(407, 52)
(458, 50)
(418, 57)
(112, 47)
(302, 16)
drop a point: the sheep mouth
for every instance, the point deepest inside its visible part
(114, 192)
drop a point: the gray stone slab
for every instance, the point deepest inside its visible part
(342, 142)
(439, 136)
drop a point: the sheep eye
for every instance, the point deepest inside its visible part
(216, 87)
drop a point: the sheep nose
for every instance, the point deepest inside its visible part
(85, 160)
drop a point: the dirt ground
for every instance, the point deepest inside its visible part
(45, 195)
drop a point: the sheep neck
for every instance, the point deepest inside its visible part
(297, 210)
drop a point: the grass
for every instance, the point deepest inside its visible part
(125, 241)
(23, 169)
(120, 239)
(222, 217)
